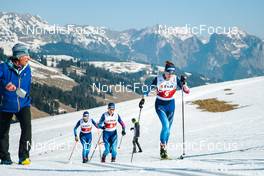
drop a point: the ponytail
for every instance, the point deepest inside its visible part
(169, 63)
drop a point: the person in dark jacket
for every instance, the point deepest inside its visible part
(15, 81)
(136, 129)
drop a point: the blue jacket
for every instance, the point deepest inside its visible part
(9, 100)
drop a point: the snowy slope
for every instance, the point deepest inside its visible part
(121, 67)
(50, 76)
(240, 129)
(129, 66)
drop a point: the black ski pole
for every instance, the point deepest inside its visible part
(119, 146)
(141, 103)
(131, 160)
(139, 115)
(183, 130)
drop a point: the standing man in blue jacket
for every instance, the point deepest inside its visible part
(15, 81)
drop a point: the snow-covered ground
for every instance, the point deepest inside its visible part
(41, 71)
(53, 60)
(50, 76)
(120, 67)
(225, 144)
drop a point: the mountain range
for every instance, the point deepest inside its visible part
(222, 56)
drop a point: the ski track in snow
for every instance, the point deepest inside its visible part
(243, 126)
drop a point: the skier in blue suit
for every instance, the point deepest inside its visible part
(166, 85)
(108, 123)
(85, 136)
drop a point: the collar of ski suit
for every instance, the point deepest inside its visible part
(17, 69)
(110, 114)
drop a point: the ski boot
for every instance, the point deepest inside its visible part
(139, 150)
(6, 162)
(113, 159)
(163, 152)
(25, 162)
(103, 159)
(85, 160)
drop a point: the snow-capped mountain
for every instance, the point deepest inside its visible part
(224, 56)
(229, 57)
(15, 28)
(156, 48)
(35, 31)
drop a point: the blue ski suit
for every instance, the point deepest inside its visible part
(85, 135)
(109, 124)
(165, 103)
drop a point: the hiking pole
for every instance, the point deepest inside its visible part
(100, 149)
(119, 146)
(183, 130)
(69, 160)
(98, 143)
(139, 114)
(100, 153)
(141, 103)
(131, 160)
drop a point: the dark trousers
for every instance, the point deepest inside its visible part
(136, 143)
(24, 118)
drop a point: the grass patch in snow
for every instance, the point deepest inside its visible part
(214, 105)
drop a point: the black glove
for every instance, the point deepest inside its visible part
(141, 103)
(183, 79)
(123, 132)
(76, 138)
